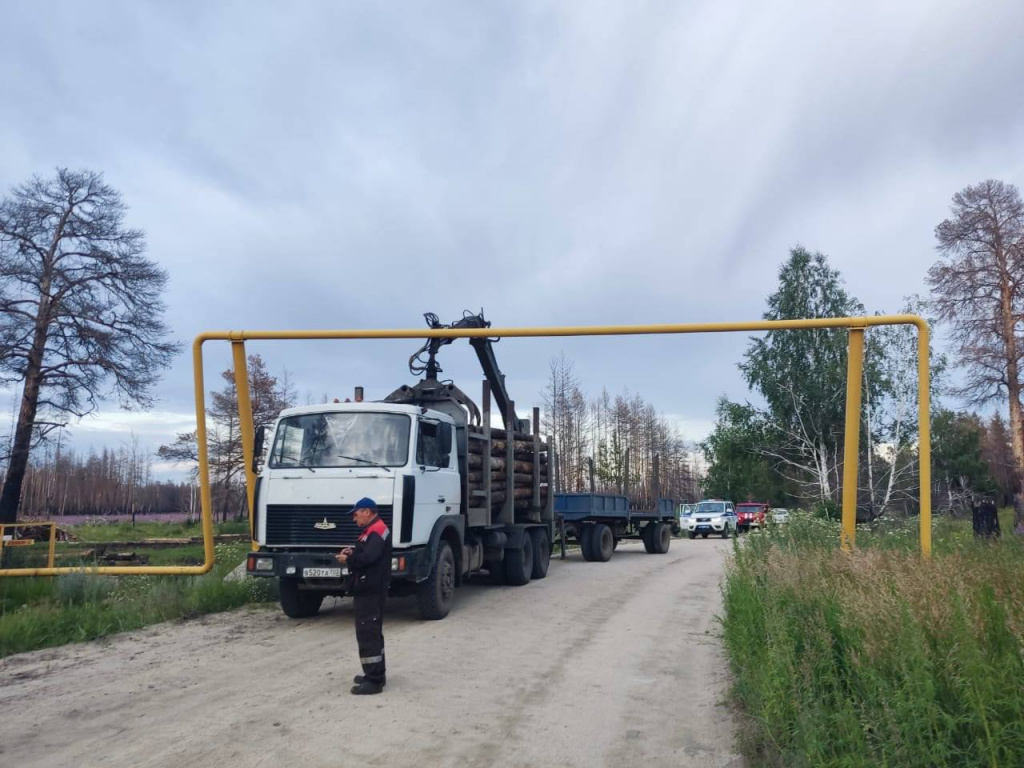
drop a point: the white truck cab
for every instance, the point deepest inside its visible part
(323, 458)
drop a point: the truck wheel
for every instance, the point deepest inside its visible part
(661, 538)
(434, 595)
(586, 543)
(297, 603)
(541, 553)
(602, 543)
(519, 563)
(647, 534)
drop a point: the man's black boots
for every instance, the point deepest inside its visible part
(367, 688)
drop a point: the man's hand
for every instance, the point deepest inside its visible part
(342, 556)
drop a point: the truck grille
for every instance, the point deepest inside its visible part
(294, 524)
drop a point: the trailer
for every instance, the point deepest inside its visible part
(598, 521)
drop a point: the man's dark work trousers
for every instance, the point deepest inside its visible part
(369, 611)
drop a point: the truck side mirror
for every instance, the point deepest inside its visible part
(257, 447)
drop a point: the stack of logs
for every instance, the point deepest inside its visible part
(523, 468)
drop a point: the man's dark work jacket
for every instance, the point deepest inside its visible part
(370, 561)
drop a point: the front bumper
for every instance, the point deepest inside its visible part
(291, 564)
(709, 526)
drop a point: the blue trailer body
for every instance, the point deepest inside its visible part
(579, 506)
(598, 521)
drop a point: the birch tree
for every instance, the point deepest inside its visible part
(801, 374)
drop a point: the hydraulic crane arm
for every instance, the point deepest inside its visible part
(484, 348)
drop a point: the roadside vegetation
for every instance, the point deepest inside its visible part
(877, 657)
(45, 612)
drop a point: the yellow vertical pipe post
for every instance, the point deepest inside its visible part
(53, 546)
(205, 496)
(851, 445)
(245, 425)
(924, 437)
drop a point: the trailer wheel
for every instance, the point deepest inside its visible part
(297, 603)
(661, 538)
(647, 535)
(586, 543)
(519, 563)
(541, 553)
(602, 543)
(434, 594)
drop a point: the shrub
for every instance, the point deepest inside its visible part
(877, 657)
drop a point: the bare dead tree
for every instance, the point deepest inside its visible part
(978, 288)
(80, 309)
(267, 398)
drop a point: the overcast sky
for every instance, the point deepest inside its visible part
(353, 165)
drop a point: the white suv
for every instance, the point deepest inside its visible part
(711, 516)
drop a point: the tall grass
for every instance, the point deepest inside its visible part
(878, 657)
(44, 612)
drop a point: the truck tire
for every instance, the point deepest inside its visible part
(647, 535)
(541, 553)
(434, 595)
(602, 543)
(661, 537)
(586, 546)
(519, 563)
(297, 603)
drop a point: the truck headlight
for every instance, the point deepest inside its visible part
(264, 564)
(398, 564)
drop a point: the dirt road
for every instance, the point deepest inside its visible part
(600, 664)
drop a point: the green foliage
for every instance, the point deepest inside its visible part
(878, 657)
(957, 459)
(737, 467)
(814, 360)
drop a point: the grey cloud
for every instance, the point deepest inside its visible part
(353, 165)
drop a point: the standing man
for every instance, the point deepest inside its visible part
(370, 564)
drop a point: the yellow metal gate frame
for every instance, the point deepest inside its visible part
(855, 366)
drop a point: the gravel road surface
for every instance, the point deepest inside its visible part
(600, 664)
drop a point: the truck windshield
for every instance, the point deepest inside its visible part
(341, 440)
(710, 508)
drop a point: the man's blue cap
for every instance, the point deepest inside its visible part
(365, 503)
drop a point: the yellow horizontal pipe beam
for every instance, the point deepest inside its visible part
(466, 333)
(580, 330)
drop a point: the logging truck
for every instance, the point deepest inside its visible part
(458, 495)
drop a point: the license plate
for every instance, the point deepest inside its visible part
(703, 527)
(325, 573)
